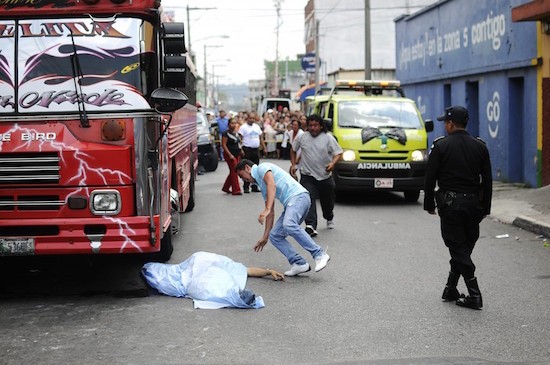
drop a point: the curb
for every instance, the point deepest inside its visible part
(532, 225)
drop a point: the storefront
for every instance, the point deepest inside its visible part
(460, 52)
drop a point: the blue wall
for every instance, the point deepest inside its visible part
(470, 53)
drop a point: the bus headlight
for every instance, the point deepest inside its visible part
(419, 155)
(348, 155)
(105, 202)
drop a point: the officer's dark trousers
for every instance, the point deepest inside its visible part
(460, 231)
(322, 190)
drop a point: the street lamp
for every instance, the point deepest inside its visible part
(205, 83)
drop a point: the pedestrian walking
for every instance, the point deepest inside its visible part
(319, 153)
(461, 167)
(232, 152)
(252, 140)
(277, 183)
(222, 122)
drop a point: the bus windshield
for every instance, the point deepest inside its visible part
(47, 65)
(378, 114)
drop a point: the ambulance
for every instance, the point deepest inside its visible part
(382, 133)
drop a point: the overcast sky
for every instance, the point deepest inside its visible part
(251, 27)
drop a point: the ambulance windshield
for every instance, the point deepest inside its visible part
(378, 114)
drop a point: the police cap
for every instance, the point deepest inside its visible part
(456, 114)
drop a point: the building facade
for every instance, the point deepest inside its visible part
(538, 11)
(486, 62)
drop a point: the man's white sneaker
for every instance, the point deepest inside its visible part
(330, 224)
(321, 262)
(296, 269)
(311, 231)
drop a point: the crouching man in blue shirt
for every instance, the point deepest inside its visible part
(275, 182)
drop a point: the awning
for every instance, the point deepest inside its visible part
(306, 91)
(531, 11)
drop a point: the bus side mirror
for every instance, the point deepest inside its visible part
(328, 123)
(166, 100)
(429, 125)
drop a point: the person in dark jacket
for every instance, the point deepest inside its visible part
(461, 167)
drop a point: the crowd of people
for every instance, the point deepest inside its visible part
(275, 125)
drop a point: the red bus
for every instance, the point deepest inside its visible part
(98, 149)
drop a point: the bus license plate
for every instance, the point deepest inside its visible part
(16, 246)
(383, 183)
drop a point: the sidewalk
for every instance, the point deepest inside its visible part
(526, 208)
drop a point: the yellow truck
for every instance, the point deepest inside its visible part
(382, 133)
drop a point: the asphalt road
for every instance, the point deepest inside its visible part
(377, 302)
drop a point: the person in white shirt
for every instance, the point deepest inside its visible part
(252, 140)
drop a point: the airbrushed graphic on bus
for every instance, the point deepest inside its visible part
(60, 63)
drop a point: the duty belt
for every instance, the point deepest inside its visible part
(454, 194)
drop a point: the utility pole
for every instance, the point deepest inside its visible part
(367, 41)
(278, 8)
(317, 57)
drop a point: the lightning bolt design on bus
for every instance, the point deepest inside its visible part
(84, 170)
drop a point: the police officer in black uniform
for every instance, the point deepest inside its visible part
(460, 165)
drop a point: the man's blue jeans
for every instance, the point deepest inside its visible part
(288, 224)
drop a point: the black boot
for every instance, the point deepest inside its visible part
(474, 299)
(450, 293)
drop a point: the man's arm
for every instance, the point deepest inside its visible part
(487, 185)
(336, 150)
(257, 272)
(268, 213)
(429, 184)
(262, 143)
(293, 161)
(335, 159)
(294, 146)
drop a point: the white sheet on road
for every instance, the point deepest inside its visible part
(211, 280)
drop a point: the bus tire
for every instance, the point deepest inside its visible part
(166, 248)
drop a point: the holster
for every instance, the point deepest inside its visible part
(444, 199)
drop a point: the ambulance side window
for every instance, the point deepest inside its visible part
(323, 110)
(331, 112)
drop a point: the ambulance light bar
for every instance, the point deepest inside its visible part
(391, 84)
(369, 87)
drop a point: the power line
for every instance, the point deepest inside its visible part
(300, 12)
